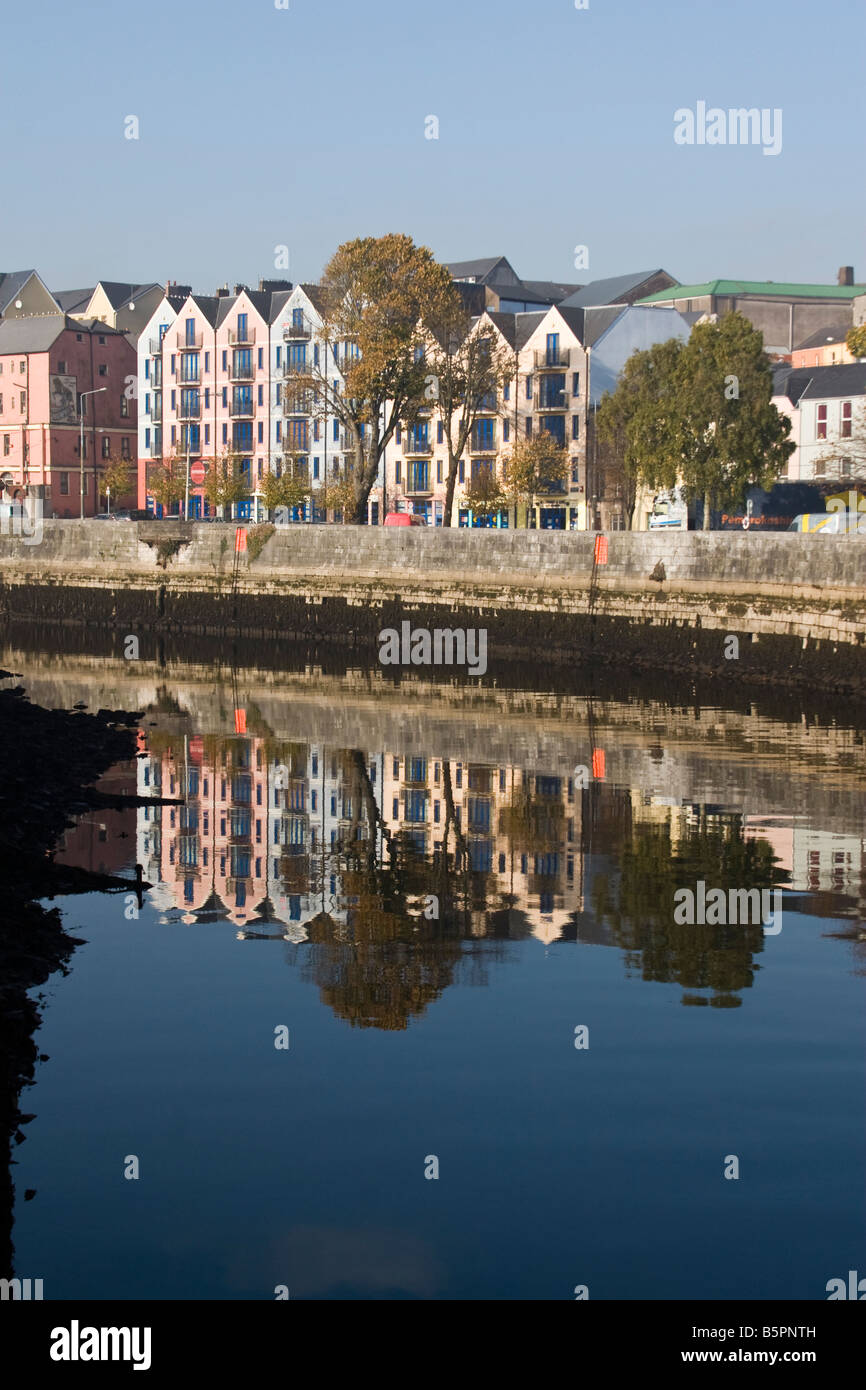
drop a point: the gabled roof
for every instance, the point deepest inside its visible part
(830, 333)
(117, 292)
(71, 300)
(524, 327)
(611, 290)
(553, 290)
(11, 282)
(37, 332)
(831, 382)
(819, 383)
(761, 288)
(279, 300)
(481, 270)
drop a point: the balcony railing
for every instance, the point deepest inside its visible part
(156, 374)
(155, 347)
(190, 411)
(291, 369)
(297, 405)
(244, 339)
(242, 408)
(483, 445)
(188, 377)
(189, 342)
(546, 361)
(239, 372)
(416, 446)
(297, 330)
(551, 400)
(419, 488)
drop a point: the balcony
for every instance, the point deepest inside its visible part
(546, 361)
(549, 401)
(156, 374)
(189, 411)
(297, 405)
(416, 447)
(188, 376)
(294, 369)
(241, 371)
(297, 330)
(155, 347)
(189, 342)
(245, 339)
(483, 444)
(242, 409)
(419, 488)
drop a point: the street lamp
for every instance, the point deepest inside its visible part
(81, 442)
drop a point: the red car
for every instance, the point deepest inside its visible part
(404, 519)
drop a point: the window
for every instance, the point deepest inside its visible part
(297, 318)
(529, 388)
(101, 340)
(336, 431)
(147, 439)
(22, 368)
(225, 361)
(261, 396)
(1, 402)
(506, 431)
(575, 383)
(124, 406)
(552, 355)
(279, 431)
(398, 434)
(398, 472)
(225, 434)
(23, 401)
(439, 470)
(124, 447)
(106, 446)
(64, 484)
(846, 420)
(316, 469)
(821, 423)
(575, 473)
(315, 354)
(261, 432)
(173, 367)
(225, 397)
(575, 427)
(61, 367)
(529, 427)
(207, 361)
(79, 338)
(173, 400)
(461, 472)
(242, 327)
(260, 358)
(506, 391)
(207, 434)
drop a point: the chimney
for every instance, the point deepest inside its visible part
(846, 275)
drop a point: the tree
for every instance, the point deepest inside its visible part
(166, 481)
(117, 480)
(376, 294)
(634, 425)
(855, 341)
(225, 484)
(467, 368)
(340, 496)
(730, 434)
(700, 415)
(289, 488)
(484, 493)
(535, 467)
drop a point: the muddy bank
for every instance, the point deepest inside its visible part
(48, 759)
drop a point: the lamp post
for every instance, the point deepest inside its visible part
(98, 390)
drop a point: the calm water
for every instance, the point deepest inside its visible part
(416, 883)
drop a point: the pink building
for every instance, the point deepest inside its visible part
(48, 365)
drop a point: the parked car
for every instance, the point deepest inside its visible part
(112, 516)
(830, 523)
(404, 519)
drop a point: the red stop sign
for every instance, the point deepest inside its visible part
(197, 472)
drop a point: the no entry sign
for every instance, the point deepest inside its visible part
(197, 472)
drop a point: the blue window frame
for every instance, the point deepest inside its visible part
(440, 432)
(279, 431)
(260, 359)
(552, 349)
(575, 427)
(147, 369)
(506, 391)
(506, 431)
(529, 388)
(147, 439)
(243, 320)
(207, 361)
(418, 479)
(261, 432)
(551, 391)
(575, 383)
(190, 332)
(555, 425)
(336, 431)
(225, 360)
(297, 355)
(483, 434)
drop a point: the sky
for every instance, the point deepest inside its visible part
(261, 128)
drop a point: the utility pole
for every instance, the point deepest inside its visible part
(97, 392)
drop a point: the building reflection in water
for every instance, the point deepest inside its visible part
(389, 866)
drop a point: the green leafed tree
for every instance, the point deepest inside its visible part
(166, 481)
(485, 493)
(856, 341)
(287, 488)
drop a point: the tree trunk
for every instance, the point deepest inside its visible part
(449, 487)
(706, 524)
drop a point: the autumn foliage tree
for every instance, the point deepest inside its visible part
(376, 294)
(536, 467)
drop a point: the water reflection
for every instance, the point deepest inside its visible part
(382, 866)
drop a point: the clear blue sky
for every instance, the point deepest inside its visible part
(305, 126)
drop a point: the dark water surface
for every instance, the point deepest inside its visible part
(420, 884)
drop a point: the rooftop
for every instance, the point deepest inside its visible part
(760, 288)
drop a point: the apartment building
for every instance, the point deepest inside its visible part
(64, 381)
(827, 410)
